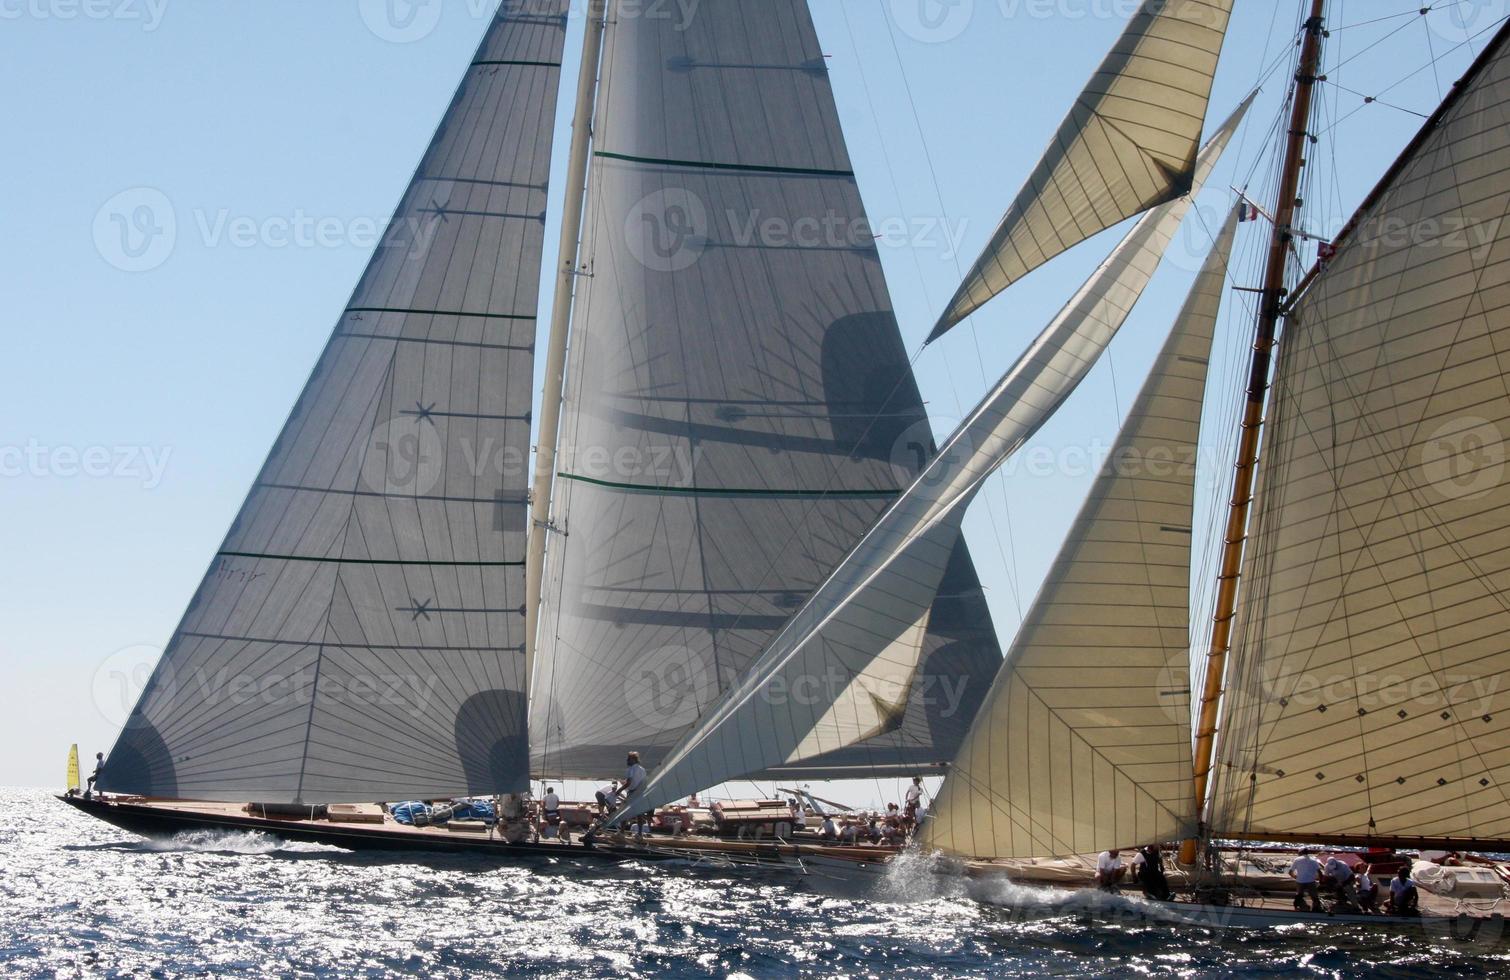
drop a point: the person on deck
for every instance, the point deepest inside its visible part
(1148, 871)
(607, 797)
(99, 767)
(1340, 880)
(551, 806)
(849, 833)
(914, 800)
(1110, 870)
(1368, 890)
(830, 830)
(1306, 871)
(1403, 897)
(634, 782)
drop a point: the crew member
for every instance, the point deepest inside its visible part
(914, 799)
(1403, 897)
(1368, 890)
(551, 805)
(634, 782)
(1149, 872)
(606, 797)
(99, 767)
(830, 829)
(1109, 870)
(1306, 870)
(1340, 877)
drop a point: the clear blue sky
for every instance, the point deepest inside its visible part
(137, 405)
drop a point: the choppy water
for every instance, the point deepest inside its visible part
(78, 897)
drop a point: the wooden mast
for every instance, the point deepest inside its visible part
(1272, 308)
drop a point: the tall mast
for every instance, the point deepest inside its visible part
(555, 357)
(1272, 308)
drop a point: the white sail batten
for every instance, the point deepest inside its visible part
(739, 407)
(1367, 693)
(1084, 741)
(1128, 144)
(851, 626)
(359, 635)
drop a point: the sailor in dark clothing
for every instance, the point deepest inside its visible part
(99, 767)
(1149, 871)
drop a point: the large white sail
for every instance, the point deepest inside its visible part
(1128, 144)
(1367, 696)
(359, 634)
(851, 628)
(739, 406)
(1084, 742)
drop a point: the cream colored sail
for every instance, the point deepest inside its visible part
(1084, 741)
(1370, 690)
(855, 626)
(1128, 144)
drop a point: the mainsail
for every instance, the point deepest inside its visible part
(739, 407)
(1084, 742)
(1367, 693)
(856, 628)
(1128, 144)
(359, 634)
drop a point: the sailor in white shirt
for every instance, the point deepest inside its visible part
(1110, 870)
(634, 781)
(914, 799)
(551, 804)
(1306, 870)
(830, 829)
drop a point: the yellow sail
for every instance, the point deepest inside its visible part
(73, 768)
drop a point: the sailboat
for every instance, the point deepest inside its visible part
(1349, 695)
(399, 612)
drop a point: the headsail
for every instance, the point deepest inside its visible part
(1367, 694)
(739, 406)
(359, 634)
(1084, 742)
(1129, 144)
(851, 627)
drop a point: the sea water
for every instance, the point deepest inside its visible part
(80, 898)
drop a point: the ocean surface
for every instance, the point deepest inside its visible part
(80, 898)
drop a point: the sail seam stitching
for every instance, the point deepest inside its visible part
(737, 167)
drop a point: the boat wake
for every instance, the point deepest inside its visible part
(249, 842)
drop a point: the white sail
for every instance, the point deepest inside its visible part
(739, 405)
(359, 634)
(1368, 694)
(1128, 144)
(1084, 742)
(880, 590)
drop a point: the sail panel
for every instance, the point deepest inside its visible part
(1128, 144)
(883, 586)
(1366, 692)
(739, 407)
(359, 634)
(1095, 690)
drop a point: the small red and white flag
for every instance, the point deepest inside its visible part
(1326, 252)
